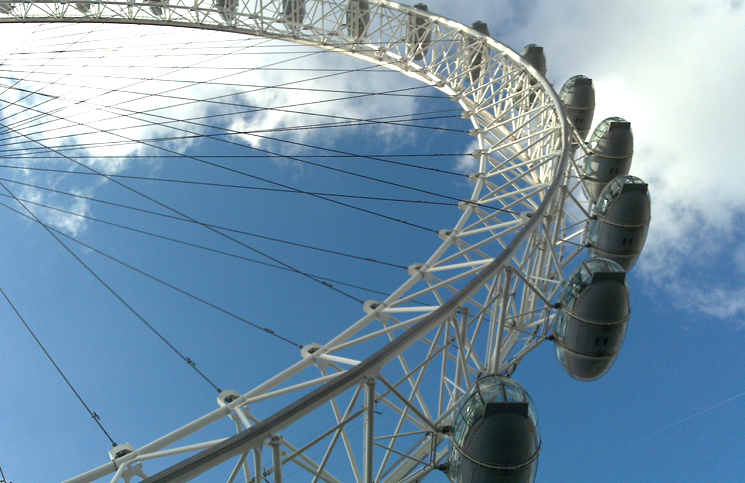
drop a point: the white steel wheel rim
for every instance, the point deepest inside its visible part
(522, 132)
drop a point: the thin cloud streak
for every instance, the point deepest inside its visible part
(688, 418)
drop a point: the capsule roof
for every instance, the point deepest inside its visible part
(591, 272)
(571, 85)
(494, 389)
(625, 184)
(480, 27)
(533, 55)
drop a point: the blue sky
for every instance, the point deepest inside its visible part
(670, 410)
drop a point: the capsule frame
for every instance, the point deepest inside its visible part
(494, 437)
(591, 325)
(578, 96)
(611, 151)
(621, 220)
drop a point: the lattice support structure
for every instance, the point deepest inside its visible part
(478, 305)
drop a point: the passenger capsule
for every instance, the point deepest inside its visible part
(533, 55)
(611, 149)
(475, 50)
(590, 328)
(358, 18)
(82, 7)
(156, 6)
(228, 9)
(494, 434)
(619, 228)
(293, 11)
(418, 36)
(578, 97)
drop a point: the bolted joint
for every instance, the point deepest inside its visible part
(477, 153)
(422, 269)
(276, 441)
(122, 453)
(226, 397)
(465, 204)
(446, 235)
(310, 349)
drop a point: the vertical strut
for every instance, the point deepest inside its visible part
(276, 444)
(495, 362)
(367, 464)
(258, 465)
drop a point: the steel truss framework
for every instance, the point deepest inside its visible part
(478, 305)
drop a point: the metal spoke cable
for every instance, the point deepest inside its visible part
(38, 67)
(215, 127)
(219, 252)
(41, 28)
(156, 279)
(221, 185)
(167, 72)
(218, 232)
(189, 361)
(162, 94)
(400, 120)
(6, 68)
(220, 156)
(208, 184)
(266, 180)
(233, 230)
(294, 158)
(93, 415)
(250, 108)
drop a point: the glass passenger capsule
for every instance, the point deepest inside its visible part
(228, 9)
(533, 55)
(358, 18)
(293, 11)
(619, 228)
(156, 7)
(611, 149)
(82, 7)
(495, 435)
(578, 97)
(591, 326)
(418, 36)
(474, 52)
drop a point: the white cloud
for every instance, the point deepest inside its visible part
(673, 69)
(137, 89)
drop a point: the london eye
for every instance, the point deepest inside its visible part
(422, 382)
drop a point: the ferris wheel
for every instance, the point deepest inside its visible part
(438, 352)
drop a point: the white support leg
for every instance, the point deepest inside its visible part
(276, 444)
(367, 464)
